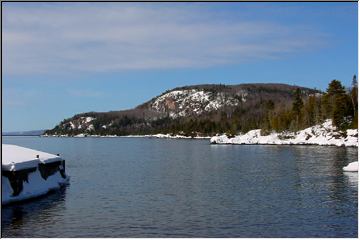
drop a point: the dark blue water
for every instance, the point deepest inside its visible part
(137, 187)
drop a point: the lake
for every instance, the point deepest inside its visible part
(140, 187)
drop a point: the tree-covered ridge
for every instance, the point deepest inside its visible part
(267, 106)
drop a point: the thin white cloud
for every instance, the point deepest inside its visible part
(14, 97)
(84, 93)
(52, 39)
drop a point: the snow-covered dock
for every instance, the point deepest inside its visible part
(28, 173)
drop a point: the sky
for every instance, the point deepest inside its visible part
(61, 59)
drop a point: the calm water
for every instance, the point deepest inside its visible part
(134, 187)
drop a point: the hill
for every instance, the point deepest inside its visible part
(189, 110)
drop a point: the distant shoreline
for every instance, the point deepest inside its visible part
(24, 133)
(17, 135)
(325, 134)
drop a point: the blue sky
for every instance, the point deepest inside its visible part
(61, 59)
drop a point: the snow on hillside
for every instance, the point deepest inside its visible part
(324, 134)
(181, 103)
(80, 123)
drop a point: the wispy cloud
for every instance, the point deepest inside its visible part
(13, 97)
(52, 39)
(84, 93)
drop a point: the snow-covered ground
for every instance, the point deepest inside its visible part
(324, 134)
(23, 164)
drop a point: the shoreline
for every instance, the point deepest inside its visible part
(323, 135)
(285, 144)
(163, 136)
(194, 138)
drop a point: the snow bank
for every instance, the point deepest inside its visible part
(324, 134)
(351, 167)
(28, 173)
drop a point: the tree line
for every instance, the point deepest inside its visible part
(336, 103)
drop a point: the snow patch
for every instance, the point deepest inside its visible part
(181, 103)
(89, 119)
(90, 127)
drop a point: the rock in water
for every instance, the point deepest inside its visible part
(351, 167)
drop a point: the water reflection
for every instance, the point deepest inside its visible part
(352, 179)
(181, 188)
(15, 215)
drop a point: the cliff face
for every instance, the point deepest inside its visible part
(173, 109)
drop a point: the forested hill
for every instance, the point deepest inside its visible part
(198, 110)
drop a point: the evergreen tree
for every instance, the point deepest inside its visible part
(338, 103)
(340, 110)
(326, 107)
(354, 100)
(297, 106)
(335, 88)
(297, 103)
(318, 110)
(309, 111)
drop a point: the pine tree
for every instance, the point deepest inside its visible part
(309, 111)
(354, 100)
(298, 102)
(339, 110)
(338, 100)
(326, 106)
(297, 106)
(318, 110)
(335, 88)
